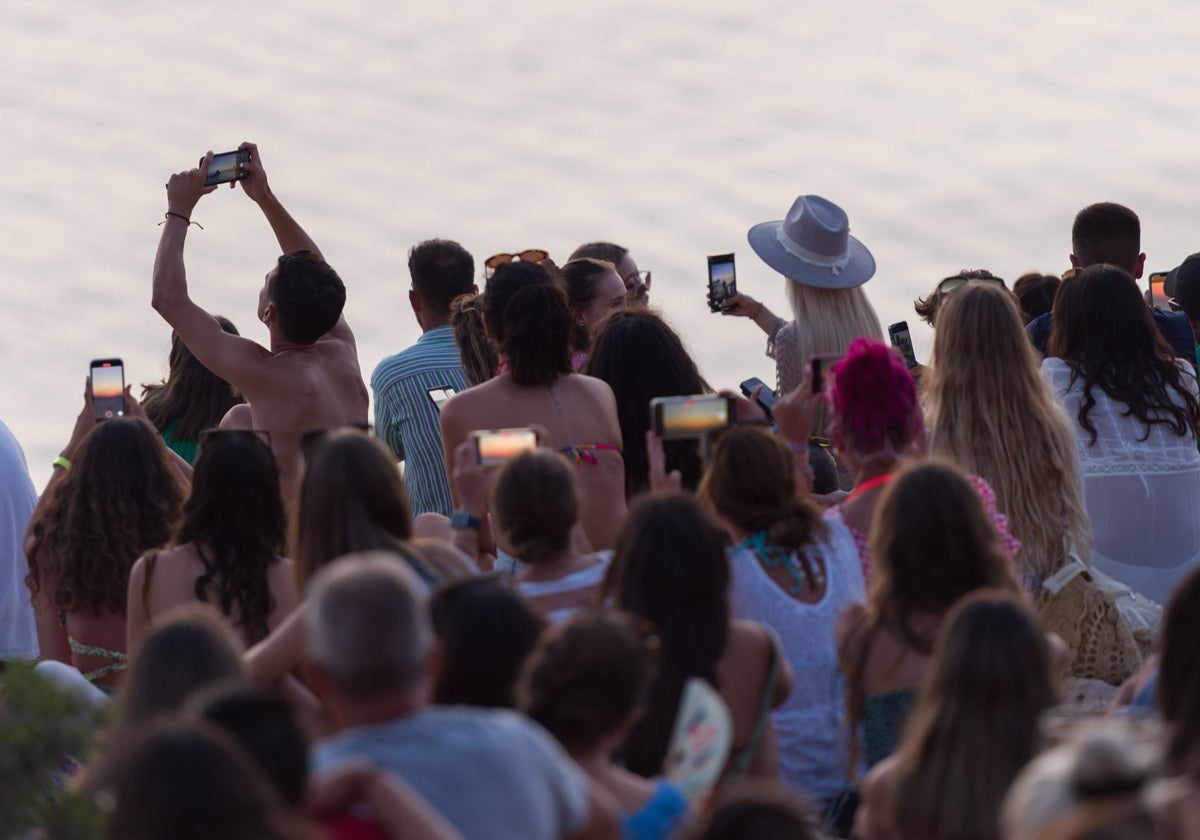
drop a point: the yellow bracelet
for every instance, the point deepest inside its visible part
(60, 461)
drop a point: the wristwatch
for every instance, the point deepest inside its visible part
(462, 520)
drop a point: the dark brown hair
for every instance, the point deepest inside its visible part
(751, 481)
(1104, 331)
(1036, 294)
(536, 503)
(1107, 233)
(991, 674)
(932, 542)
(530, 322)
(587, 677)
(192, 397)
(1179, 673)
(670, 569)
(441, 270)
(641, 357)
(352, 499)
(479, 359)
(119, 500)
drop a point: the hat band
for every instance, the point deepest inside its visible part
(835, 264)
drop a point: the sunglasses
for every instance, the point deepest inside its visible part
(531, 255)
(951, 283)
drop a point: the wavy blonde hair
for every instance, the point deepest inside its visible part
(991, 412)
(827, 321)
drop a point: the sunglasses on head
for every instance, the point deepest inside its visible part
(949, 284)
(531, 255)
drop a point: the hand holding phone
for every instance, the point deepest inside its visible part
(901, 339)
(820, 365)
(498, 446)
(766, 397)
(722, 281)
(226, 167)
(679, 418)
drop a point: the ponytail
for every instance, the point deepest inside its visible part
(537, 341)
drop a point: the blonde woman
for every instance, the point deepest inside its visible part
(825, 268)
(991, 412)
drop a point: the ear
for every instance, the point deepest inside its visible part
(474, 289)
(414, 300)
(268, 314)
(1075, 262)
(1139, 266)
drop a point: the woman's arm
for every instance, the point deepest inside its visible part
(283, 651)
(744, 306)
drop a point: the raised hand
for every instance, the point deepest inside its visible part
(254, 185)
(186, 188)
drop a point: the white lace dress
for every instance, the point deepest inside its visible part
(812, 743)
(1142, 496)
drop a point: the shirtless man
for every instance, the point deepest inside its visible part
(309, 378)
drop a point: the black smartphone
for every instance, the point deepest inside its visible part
(1158, 295)
(676, 418)
(440, 395)
(820, 370)
(226, 167)
(902, 341)
(496, 446)
(722, 281)
(108, 388)
(766, 397)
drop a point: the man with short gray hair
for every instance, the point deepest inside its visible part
(492, 773)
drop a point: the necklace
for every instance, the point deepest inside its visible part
(869, 484)
(774, 557)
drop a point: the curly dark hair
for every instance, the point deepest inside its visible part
(234, 518)
(1104, 331)
(120, 499)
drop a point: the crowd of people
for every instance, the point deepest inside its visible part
(910, 602)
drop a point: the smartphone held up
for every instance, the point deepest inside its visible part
(494, 447)
(901, 339)
(722, 281)
(226, 167)
(678, 418)
(108, 388)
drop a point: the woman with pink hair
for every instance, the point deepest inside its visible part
(875, 422)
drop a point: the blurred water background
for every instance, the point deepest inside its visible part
(955, 134)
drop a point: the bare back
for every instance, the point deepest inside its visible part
(580, 414)
(304, 389)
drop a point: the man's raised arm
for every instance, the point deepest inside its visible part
(228, 356)
(288, 233)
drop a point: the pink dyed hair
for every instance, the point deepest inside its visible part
(874, 399)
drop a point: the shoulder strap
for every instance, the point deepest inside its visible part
(741, 762)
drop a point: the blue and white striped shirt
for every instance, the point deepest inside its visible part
(406, 418)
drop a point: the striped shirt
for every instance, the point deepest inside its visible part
(406, 418)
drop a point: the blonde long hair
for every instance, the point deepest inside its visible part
(991, 412)
(827, 321)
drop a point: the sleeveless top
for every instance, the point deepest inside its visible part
(583, 579)
(812, 745)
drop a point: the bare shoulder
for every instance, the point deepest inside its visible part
(748, 643)
(873, 821)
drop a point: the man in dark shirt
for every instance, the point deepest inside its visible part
(1110, 233)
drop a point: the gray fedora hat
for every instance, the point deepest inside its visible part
(813, 246)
